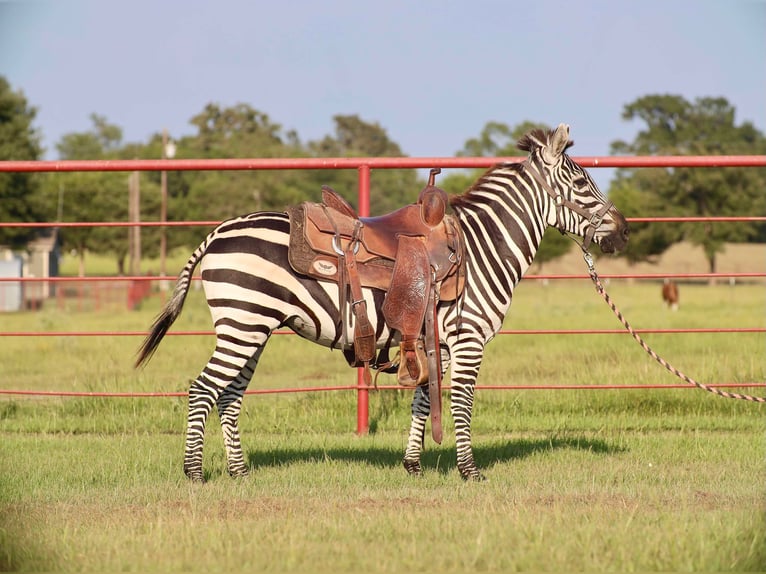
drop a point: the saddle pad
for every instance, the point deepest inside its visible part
(306, 260)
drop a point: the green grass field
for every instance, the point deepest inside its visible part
(597, 480)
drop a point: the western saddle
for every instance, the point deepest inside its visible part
(414, 255)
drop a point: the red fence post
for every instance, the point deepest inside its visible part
(362, 394)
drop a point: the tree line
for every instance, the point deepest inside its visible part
(671, 125)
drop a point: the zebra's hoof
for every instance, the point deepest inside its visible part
(473, 476)
(195, 476)
(412, 467)
(240, 472)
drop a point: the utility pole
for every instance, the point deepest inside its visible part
(134, 215)
(163, 214)
(168, 152)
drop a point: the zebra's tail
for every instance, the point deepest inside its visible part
(172, 308)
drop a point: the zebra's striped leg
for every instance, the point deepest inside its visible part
(229, 406)
(420, 408)
(202, 396)
(461, 405)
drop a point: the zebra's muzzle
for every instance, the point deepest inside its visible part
(617, 239)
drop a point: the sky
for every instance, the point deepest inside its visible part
(431, 73)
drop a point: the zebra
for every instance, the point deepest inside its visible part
(251, 290)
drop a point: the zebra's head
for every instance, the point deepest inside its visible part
(577, 205)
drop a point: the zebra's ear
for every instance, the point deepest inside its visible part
(557, 144)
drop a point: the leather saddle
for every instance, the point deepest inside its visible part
(413, 254)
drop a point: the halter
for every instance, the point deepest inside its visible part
(594, 219)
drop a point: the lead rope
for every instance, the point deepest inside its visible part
(601, 291)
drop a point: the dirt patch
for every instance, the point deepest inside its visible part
(603, 501)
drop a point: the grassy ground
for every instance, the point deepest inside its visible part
(578, 480)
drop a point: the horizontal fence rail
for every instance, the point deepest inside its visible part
(368, 162)
(139, 278)
(179, 394)
(649, 331)
(65, 224)
(364, 165)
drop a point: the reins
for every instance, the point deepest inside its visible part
(602, 291)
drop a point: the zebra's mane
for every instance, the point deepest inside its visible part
(465, 197)
(538, 138)
(530, 142)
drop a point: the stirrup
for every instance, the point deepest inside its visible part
(413, 365)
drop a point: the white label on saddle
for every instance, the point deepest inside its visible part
(324, 267)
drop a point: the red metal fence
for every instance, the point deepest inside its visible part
(364, 166)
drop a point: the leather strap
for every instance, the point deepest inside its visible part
(595, 219)
(364, 335)
(343, 300)
(343, 281)
(434, 364)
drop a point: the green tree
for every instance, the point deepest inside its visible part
(499, 140)
(98, 143)
(355, 137)
(20, 200)
(100, 196)
(675, 126)
(237, 131)
(647, 242)
(233, 132)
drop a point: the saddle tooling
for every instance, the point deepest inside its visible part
(414, 255)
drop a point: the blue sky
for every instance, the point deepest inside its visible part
(432, 73)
